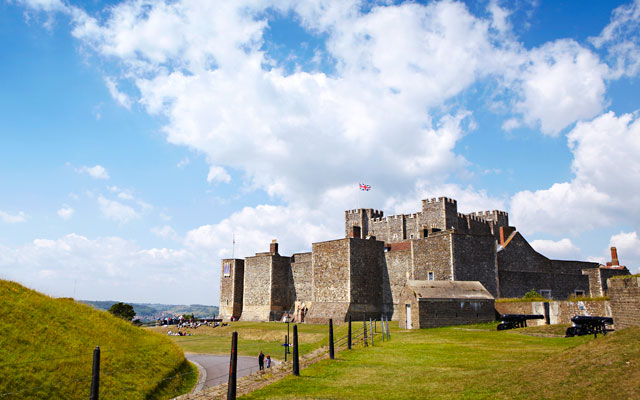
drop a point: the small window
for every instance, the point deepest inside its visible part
(411, 236)
(545, 293)
(579, 293)
(430, 275)
(227, 269)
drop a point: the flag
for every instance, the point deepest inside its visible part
(365, 187)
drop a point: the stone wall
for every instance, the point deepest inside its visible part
(432, 254)
(257, 288)
(514, 284)
(398, 267)
(560, 312)
(367, 262)
(474, 259)
(606, 273)
(231, 289)
(280, 292)
(301, 272)
(625, 301)
(433, 313)
(331, 278)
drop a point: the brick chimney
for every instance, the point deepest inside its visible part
(614, 256)
(273, 248)
(505, 232)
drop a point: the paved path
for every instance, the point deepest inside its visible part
(216, 368)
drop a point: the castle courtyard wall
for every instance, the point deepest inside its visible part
(231, 289)
(474, 259)
(280, 281)
(257, 288)
(398, 266)
(366, 266)
(302, 274)
(625, 301)
(560, 312)
(432, 254)
(331, 277)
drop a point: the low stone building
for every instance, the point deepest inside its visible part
(430, 304)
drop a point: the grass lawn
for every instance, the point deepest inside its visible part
(254, 337)
(474, 362)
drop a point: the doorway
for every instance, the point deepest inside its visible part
(408, 321)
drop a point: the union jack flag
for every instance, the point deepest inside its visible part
(365, 187)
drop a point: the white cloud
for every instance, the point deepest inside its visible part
(96, 172)
(563, 249)
(165, 232)
(121, 98)
(218, 174)
(43, 5)
(621, 39)
(628, 247)
(184, 162)
(117, 211)
(605, 189)
(65, 212)
(13, 218)
(562, 83)
(112, 268)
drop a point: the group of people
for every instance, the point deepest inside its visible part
(262, 361)
(179, 333)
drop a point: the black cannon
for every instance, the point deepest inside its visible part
(586, 325)
(511, 321)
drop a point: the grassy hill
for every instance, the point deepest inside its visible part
(47, 346)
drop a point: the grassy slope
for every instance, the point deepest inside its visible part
(35, 327)
(254, 337)
(453, 363)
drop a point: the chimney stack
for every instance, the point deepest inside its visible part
(273, 248)
(614, 256)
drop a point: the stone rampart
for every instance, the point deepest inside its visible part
(560, 312)
(625, 301)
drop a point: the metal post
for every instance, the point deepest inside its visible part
(382, 327)
(331, 350)
(388, 333)
(349, 335)
(371, 326)
(288, 336)
(233, 367)
(95, 375)
(364, 330)
(296, 363)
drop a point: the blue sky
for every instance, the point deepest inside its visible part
(138, 137)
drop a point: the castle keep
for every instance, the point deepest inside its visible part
(364, 274)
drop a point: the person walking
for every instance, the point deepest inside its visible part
(261, 361)
(268, 361)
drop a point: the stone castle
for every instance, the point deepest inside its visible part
(363, 274)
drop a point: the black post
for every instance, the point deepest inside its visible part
(233, 367)
(95, 375)
(547, 315)
(331, 350)
(371, 326)
(286, 347)
(296, 364)
(288, 336)
(349, 335)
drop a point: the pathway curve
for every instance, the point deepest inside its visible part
(214, 369)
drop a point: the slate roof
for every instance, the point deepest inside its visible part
(449, 290)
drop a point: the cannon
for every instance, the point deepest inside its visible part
(511, 321)
(587, 325)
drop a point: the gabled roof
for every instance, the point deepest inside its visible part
(449, 290)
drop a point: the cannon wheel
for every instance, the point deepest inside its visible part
(502, 327)
(571, 332)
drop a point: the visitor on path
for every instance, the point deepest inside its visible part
(261, 361)
(268, 361)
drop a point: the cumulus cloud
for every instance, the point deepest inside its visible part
(605, 188)
(218, 174)
(96, 172)
(116, 211)
(12, 218)
(65, 212)
(121, 98)
(563, 249)
(621, 39)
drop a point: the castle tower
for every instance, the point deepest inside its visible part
(361, 218)
(440, 213)
(231, 288)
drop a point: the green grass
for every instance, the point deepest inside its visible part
(475, 362)
(135, 363)
(254, 337)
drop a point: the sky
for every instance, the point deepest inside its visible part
(139, 138)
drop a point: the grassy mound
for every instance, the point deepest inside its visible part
(47, 349)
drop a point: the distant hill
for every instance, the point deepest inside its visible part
(152, 311)
(46, 348)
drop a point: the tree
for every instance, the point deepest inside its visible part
(122, 310)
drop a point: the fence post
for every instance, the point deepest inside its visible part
(349, 335)
(364, 326)
(388, 333)
(233, 367)
(286, 347)
(296, 363)
(382, 327)
(95, 375)
(331, 350)
(371, 326)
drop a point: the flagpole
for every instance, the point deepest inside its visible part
(233, 246)
(359, 196)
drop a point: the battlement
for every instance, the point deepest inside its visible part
(441, 199)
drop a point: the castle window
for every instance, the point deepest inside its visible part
(579, 293)
(430, 276)
(546, 293)
(411, 236)
(227, 269)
